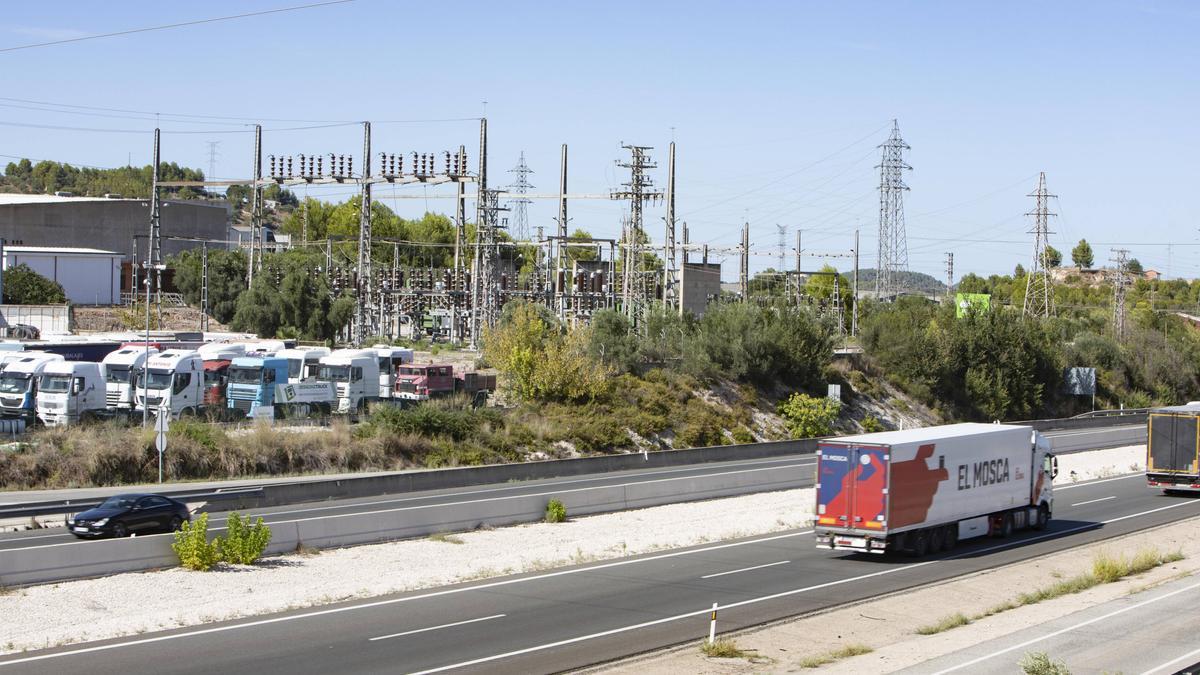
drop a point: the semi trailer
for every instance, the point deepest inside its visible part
(921, 490)
(1172, 449)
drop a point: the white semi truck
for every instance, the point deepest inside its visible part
(922, 490)
(20, 373)
(71, 392)
(390, 360)
(172, 383)
(302, 362)
(120, 370)
(355, 376)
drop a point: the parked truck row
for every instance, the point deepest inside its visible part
(220, 380)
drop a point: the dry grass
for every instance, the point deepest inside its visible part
(952, 621)
(835, 655)
(446, 538)
(723, 648)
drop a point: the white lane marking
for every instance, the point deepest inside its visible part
(1097, 482)
(784, 594)
(618, 563)
(445, 625)
(1067, 630)
(471, 501)
(392, 601)
(1093, 501)
(1172, 662)
(745, 569)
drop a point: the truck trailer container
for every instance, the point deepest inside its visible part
(1173, 448)
(921, 490)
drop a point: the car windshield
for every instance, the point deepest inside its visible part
(159, 379)
(118, 502)
(13, 383)
(294, 366)
(56, 384)
(116, 374)
(333, 373)
(245, 375)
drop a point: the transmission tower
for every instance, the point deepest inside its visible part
(1039, 300)
(893, 243)
(1120, 287)
(519, 206)
(212, 159)
(949, 275)
(635, 290)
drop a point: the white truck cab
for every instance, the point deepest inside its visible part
(172, 382)
(355, 376)
(120, 370)
(70, 392)
(20, 373)
(390, 359)
(302, 362)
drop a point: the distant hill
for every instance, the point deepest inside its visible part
(914, 282)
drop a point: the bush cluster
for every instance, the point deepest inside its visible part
(243, 543)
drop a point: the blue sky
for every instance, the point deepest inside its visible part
(776, 107)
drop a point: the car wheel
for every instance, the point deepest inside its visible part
(119, 530)
(176, 523)
(920, 543)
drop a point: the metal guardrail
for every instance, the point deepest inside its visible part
(48, 508)
(1112, 413)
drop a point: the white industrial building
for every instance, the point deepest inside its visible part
(89, 276)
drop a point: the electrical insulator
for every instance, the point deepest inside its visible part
(447, 154)
(349, 165)
(383, 163)
(320, 166)
(301, 157)
(289, 167)
(414, 156)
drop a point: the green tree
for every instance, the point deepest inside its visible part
(581, 252)
(1053, 256)
(1018, 271)
(809, 416)
(226, 279)
(1134, 267)
(612, 340)
(1082, 254)
(23, 286)
(539, 360)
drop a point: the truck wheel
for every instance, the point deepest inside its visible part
(1006, 526)
(951, 538)
(937, 539)
(1043, 517)
(920, 543)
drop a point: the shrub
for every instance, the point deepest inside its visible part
(556, 511)
(724, 648)
(1039, 663)
(742, 435)
(23, 286)
(192, 546)
(871, 424)
(808, 416)
(243, 543)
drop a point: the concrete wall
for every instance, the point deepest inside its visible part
(49, 319)
(110, 224)
(87, 279)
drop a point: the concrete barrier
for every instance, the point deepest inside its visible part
(45, 564)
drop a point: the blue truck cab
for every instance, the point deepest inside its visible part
(252, 381)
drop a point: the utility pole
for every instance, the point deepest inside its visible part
(799, 255)
(744, 267)
(1039, 298)
(637, 191)
(670, 287)
(256, 209)
(151, 251)
(854, 311)
(482, 227)
(561, 244)
(893, 243)
(364, 316)
(520, 210)
(156, 260)
(949, 276)
(212, 159)
(204, 286)
(460, 211)
(1120, 287)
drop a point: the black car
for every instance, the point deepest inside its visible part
(122, 515)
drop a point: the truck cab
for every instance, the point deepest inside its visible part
(355, 376)
(217, 359)
(425, 381)
(70, 392)
(120, 370)
(20, 373)
(390, 359)
(173, 383)
(302, 362)
(252, 381)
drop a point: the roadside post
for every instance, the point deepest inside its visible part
(712, 625)
(162, 422)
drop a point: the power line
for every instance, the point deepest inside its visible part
(174, 25)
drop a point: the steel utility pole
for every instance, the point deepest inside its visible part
(520, 205)
(364, 317)
(744, 263)
(204, 286)
(1120, 287)
(256, 208)
(854, 312)
(151, 254)
(637, 191)
(1039, 297)
(950, 276)
(670, 281)
(893, 243)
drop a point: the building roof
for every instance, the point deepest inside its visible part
(63, 250)
(13, 198)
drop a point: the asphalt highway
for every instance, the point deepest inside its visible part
(569, 618)
(1064, 442)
